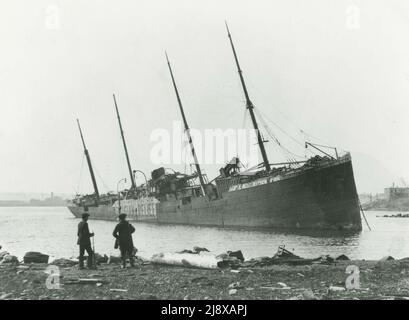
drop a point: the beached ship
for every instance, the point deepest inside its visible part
(135, 201)
(318, 193)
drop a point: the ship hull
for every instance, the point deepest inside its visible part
(318, 198)
(143, 210)
(97, 213)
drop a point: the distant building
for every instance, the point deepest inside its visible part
(396, 193)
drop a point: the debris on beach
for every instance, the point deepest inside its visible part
(69, 281)
(196, 250)
(118, 290)
(2, 254)
(9, 259)
(284, 276)
(342, 257)
(201, 260)
(64, 262)
(336, 288)
(35, 257)
(387, 258)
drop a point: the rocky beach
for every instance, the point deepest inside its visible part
(278, 277)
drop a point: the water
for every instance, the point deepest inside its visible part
(53, 231)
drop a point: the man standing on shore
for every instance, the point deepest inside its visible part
(123, 233)
(84, 241)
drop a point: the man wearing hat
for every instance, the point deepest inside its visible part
(84, 242)
(123, 233)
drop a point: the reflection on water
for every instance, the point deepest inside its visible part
(53, 231)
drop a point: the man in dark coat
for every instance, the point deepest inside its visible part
(123, 233)
(85, 243)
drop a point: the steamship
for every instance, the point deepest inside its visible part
(318, 193)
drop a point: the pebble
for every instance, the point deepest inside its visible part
(282, 284)
(5, 296)
(309, 295)
(334, 288)
(23, 267)
(232, 291)
(234, 285)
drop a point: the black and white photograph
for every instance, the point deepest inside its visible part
(212, 152)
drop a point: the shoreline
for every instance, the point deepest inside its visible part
(384, 279)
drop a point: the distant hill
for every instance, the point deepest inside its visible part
(32, 200)
(19, 196)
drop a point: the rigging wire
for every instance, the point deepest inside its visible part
(81, 172)
(285, 152)
(100, 178)
(291, 121)
(285, 132)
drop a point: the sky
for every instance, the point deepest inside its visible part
(338, 70)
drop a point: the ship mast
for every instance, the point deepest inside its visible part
(125, 148)
(187, 129)
(250, 106)
(91, 170)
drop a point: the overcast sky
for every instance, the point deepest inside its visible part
(339, 74)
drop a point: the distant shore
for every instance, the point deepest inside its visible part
(388, 205)
(38, 203)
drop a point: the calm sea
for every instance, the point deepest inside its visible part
(53, 231)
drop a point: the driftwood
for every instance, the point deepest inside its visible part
(84, 281)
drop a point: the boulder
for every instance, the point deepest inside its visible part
(237, 254)
(387, 258)
(9, 259)
(228, 262)
(199, 249)
(101, 259)
(309, 295)
(342, 257)
(35, 257)
(325, 259)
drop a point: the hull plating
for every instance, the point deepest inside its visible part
(323, 198)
